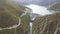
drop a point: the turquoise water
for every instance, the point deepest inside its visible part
(31, 27)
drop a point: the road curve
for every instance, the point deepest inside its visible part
(14, 26)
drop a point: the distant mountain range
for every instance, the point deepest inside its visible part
(38, 2)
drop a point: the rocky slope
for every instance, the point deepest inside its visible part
(46, 24)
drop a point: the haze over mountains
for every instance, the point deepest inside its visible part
(38, 2)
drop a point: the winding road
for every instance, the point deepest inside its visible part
(14, 26)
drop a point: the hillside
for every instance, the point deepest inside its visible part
(10, 13)
(47, 24)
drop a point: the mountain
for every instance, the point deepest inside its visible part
(38, 2)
